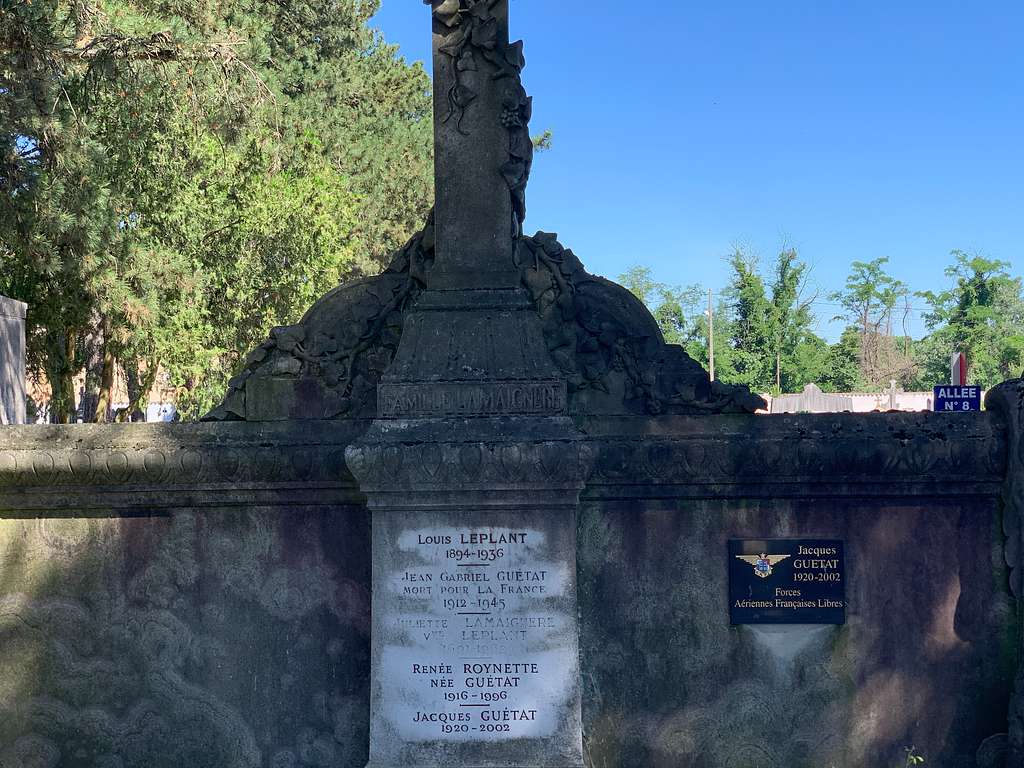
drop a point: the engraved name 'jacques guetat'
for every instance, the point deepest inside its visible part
(481, 656)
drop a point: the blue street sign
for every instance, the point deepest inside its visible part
(952, 398)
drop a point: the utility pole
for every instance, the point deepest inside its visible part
(711, 337)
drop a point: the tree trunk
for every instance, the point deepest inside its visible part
(139, 386)
(93, 347)
(57, 397)
(68, 376)
(864, 341)
(61, 375)
(83, 14)
(103, 401)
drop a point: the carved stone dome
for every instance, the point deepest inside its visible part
(603, 340)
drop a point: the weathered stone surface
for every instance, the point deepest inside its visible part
(426, 472)
(830, 455)
(1007, 401)
(132, 468)
(926, 657)
(12, 361)
(482, 147)
(143, 469)
(209, 639)
(471, 354)
(603, 343)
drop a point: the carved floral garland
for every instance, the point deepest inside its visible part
(474, 39)
(589, 345)
(588, 341)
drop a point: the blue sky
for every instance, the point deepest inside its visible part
(844, 128)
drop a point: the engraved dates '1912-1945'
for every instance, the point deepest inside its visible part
(476, 628)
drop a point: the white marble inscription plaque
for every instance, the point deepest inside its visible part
(479, 644)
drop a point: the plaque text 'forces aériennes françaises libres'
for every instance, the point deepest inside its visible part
(787, 581)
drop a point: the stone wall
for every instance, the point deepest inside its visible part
(12, 361)
(926, 657)
(181, 597)
(199, 594)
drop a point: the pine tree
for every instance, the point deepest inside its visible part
(178, 178)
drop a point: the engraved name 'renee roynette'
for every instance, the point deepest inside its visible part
(476, 651)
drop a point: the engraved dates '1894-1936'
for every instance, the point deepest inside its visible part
(477, 651)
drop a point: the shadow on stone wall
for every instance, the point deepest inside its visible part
(233, 631)
(669, 683)
(229, 638)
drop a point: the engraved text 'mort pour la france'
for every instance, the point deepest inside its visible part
(480, 637)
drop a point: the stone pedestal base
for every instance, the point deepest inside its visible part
(475, 635)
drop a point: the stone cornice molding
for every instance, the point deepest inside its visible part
(64, 470)
(820, 455)
(150, 468)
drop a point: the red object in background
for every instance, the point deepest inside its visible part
(958, 370)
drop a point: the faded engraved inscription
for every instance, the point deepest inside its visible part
(463, 398)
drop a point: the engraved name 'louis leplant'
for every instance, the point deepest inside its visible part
(482, 657)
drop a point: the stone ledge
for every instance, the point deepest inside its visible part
(141, 501)
(60, 469)
(122, 469)
(469, 466)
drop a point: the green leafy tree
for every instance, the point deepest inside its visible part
(679, 312)
(799, 353)
(872, 299)
(841, 371)
(639, 281)
(982, 315)
(752, 336)
(177, 178)
(773, 346)
(763, 335)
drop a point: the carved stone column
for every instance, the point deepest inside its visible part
(475, 631)
(472, 468)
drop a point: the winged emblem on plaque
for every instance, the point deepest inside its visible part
(762, 563)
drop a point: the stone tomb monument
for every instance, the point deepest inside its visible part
(472, 469)
(475, 512)
(12, 361)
